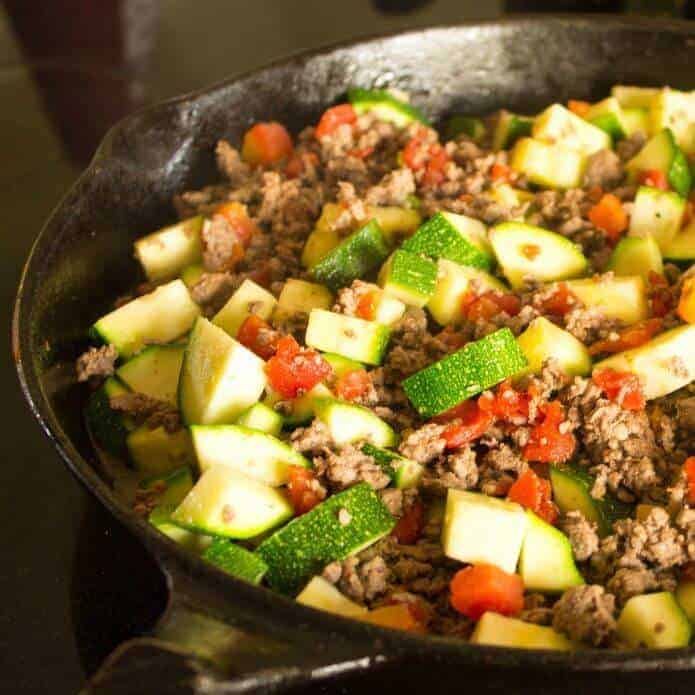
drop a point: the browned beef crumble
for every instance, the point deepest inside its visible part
(146, 410)
(582, 535)
(97, 363)
(586, 614)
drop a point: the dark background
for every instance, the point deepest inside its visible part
(72, 583)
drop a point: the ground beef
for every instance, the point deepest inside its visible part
(628, 582)
(221, 246)
(503, 459)
(589, 325)
(96, 363)
(313, 440)
(397, 500)
(686, 414)
(458, 471)
(361, 581)
(292, 324)
(603, 169)
(230, 164)
(348, 298)
(145, 410)
(582, 534)
(630, 146)
(586, 614)
(424, 444)
(213, 290)
(393, 189)
(348, 466)
(536, 610)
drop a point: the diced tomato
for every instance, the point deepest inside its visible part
(500, 172)
(238, 219)
(608, 215)
(351, 385)
(547, 443)
(653, 178)
(620, 387)
(630, 337)
(333, 118)
(297, 164)
(409, 527)
(534, 493)
(361, 153)
(686, 303)
(257, 335)
(506, 402)
(689, 470)
(580, 108)
(471, 422)
(433, 159)
(414, 154)
(266, 143)
(481, 588)
(435, 170)
(560, 302)
(294, 370)
(489, 304)
(302, 489)
(366, 305)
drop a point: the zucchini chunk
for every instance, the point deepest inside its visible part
(318, 245)
(457, 125)
(636, 120)
(108, 427)
(469, 371)
(385, 106)
(248, 299)
(454, 281)
(340, 526)
(160, 518)
(235, 560)
(546, 562)
(158, 452)
(682, 247)
(545, 164)
(663, 154)
(363, 251)
(630, 97)
(636, 256)
(655, 621)
(261, 418)
(482, 529)
(154, 372)
(300, 410)
(158, 317)
(658, 214)
(255, 454)
(220, 378)
(341, 365)
(665, 364)
(558, 125)
(500, 631)
(165, 253)
(509, 128)
(459, 238)
(572, 492)
(543, 340)
(523, 249)
(320, 594)
(191, 274)
(409, 277)
(403, 471)
(300, 297)
(685, 595)
(674, 110)
(622, 298)
(356, 339)
(350, 423)
(227, 503)
(609, 116)
(171, 488)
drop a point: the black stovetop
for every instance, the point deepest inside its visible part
(73, 584)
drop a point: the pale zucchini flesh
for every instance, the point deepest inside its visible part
(248, 299)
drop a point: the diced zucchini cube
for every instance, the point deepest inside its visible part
(500, 631)
(558, 125)
(154, 372)
(658, 214)
(248, 299)
(409, 277)
(350, 423)
(545, 164)
(655, 621)
(319, 593)
(300, 296)
(158, 452)
(621, 298)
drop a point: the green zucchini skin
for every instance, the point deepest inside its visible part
(387, 106)
(302, 548)
(465, 373)
(353, 258)
(235, 560)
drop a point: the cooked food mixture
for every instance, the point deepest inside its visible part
(440, 382)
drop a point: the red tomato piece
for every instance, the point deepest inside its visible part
(409, 527)
(489, 304)
(560, 302)
(414, 154)
(351, 385)
(547, 443)
(506, 403)
(334, 117)
(621, 387)
(689, 470)
(653, 178)
(580, 108)
(362, 153)
(435, 170)
(266, 143)
(238, 219)
(534, 493)
(608, 215)
(471, 422)
(302, 489)
(481, 588)
(366, 305)
(257, 335)
(630, 337)
(500, 172)
(294, 370)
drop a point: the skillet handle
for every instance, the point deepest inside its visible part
(191, 652)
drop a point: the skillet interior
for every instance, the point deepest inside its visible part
(82, 259)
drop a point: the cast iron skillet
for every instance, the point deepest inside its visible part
(220, 634)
